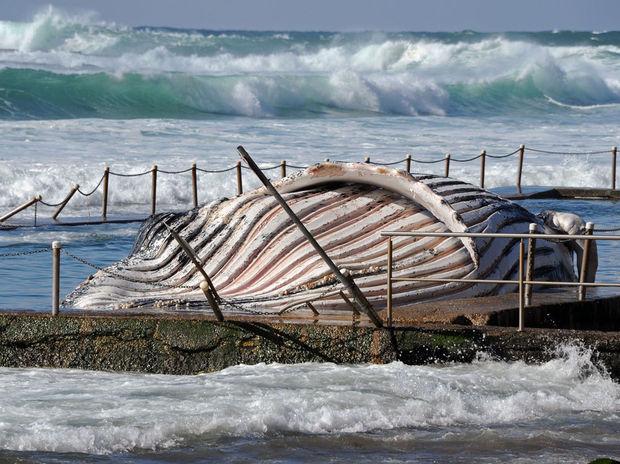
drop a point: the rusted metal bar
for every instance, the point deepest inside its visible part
(531, 261)
(104, 206)
(521, 289)
(215, 307)
(239, 179)
(483, 162)
(195, 185)
(312, 308)
(408, 163)
(348, 283)
(349, 303)
(614, 155)
(283, 168)
(66, 200)
(194, 258)
(389, 281)
(581, 293)
(12, 213)
(520, 167)
(56, 246)
(153, 189)
(447, 166)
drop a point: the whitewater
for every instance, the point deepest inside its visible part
(78, 93)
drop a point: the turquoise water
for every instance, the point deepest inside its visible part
(78, 93)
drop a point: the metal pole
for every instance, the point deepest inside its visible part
(206, 289)
(348, 302)
(447, 167)
(521, 292)
(283, 168)
(194, 259)
(195, 185)
(389, 282)
(408, 163)
(531, 257)
(153, 189)
(584, 262)
(106, 178)
(520, 169)
(312, 308)
(56, 246)
(239, 179)
(66, 200)
(348, 283)
(614, 155)
(483, 162)
(12, 213)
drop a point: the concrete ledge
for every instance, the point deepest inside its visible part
(168, 345)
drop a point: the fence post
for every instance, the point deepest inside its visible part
(521, 292)
(447, 167)
(614, 154)
(104, 207)
(389, 282)
(531, 257)
(194, 185)
(520, 169)
(153, 189)
(283, 168)
(239, 179)
(483, 162)
(584, 261)
(408, 163)
(367, 159)
(56, 246)
(66, 200)
(29, 203)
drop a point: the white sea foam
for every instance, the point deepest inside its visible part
(68, 410)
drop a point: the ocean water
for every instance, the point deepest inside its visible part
(77, 93)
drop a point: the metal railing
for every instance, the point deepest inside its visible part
(525, 281)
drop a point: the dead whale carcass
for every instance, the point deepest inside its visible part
(258, 259)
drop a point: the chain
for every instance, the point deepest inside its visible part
(465, 160)
(51, 205)
(388, 164)
(504, 156)
(25, 253)
(119, 276)
(216, 171)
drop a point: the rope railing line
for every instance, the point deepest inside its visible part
(216, 171)
(388, 164)
(87, 194)
(465, 160)
(182, 171)
(567, 152)
(504, 156)
(136, 174)
(51, 205)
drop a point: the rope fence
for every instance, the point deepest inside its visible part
(409, 162)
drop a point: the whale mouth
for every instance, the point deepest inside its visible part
(258, 259)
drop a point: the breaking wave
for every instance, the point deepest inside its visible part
(61, 66)
(95, 412)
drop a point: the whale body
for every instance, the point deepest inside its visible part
(258, 260)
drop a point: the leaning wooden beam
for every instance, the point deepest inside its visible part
(348, 302)
(348, 283)
(206, 289)
(12, 213)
